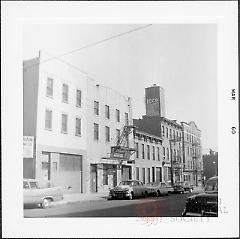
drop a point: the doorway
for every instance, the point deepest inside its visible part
(93, 179)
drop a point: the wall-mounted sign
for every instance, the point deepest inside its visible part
(152, 96)
(28, 146)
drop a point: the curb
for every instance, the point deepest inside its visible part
(58, 203)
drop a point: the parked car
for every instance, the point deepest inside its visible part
(187, 186)
(157, 189)
(128, 189)
(178, 189)
(170, 189)
(33, 194)
(204, 204)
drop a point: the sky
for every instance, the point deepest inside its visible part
(181, 58)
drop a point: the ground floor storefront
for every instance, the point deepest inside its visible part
(53, 166)
(107, 175)
(193, 178)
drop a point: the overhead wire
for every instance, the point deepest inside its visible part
(88, 46)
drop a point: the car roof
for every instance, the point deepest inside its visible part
(29, 180)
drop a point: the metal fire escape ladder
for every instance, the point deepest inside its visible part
(121, 150)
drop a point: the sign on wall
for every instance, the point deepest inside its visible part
(152, 95)
(28, 146)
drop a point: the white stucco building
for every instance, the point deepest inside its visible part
(74, 122)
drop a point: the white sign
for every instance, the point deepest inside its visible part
(28, 143)
(151, 101)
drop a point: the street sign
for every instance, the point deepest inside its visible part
(28, 146)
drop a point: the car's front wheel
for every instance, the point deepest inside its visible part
(46, 202)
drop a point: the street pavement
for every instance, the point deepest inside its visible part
(168, 206)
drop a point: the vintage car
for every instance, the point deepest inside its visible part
(204, 204)
(178, 189)
(188, 187)
(33, 194)
(128, 189)
(157, 189)
(170, 188)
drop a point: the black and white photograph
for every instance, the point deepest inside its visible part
(123, 121)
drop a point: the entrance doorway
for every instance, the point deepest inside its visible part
(93, 178)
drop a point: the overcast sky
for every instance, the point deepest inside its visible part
(180, 58)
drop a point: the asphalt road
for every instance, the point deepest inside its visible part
(168, 206)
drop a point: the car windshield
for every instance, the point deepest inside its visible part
(212, 185)
(130, 183)
(25, 184)
(34, 185)
(153, 184)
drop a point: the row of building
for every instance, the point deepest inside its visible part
(81, 135)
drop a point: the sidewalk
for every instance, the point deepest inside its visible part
(80, 197)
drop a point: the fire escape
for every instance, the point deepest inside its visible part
(121, 151)
(176, 160)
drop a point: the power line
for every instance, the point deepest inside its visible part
(90, 45)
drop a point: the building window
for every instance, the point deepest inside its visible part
(49, 87)
(167, 132)
(65, 93)
(170, 131)
(136, 150)
(96, 107)
(163, 133)
(149, 175)
(168, 153)
(153, 152)
(174, 154)
(158, 154)
(126, 118)
(54, 168)
(78, 127)
(137, 173)
(143, 176)
(96, 131)
(164, 153)
(118, 134)
(48, 119)
(78, 98)
(174, 134)
(143, 153)
(107, 133)
(117, 115)
(148, 152)
(107, 112)
(64, 123)
(169, 173)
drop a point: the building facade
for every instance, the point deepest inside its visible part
(180, 142)
(106, 118)
(170, 133)
(193, 162)
(74, 123)
(148, 157)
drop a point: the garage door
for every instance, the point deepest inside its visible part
(69, 175)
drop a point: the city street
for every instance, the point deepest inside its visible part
(167, 206)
